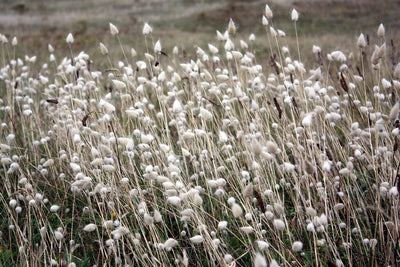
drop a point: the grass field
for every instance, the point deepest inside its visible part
(221, 133)
(187, 23)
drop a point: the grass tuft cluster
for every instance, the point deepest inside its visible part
(227, 157)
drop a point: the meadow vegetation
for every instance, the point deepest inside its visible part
(251, 149)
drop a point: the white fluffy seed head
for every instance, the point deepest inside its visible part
(248, 190)
(223, 137)
(273, 32)
(50, 48)
(13, 203)
(157, 216)
(170, 243)
(262, 245)
(177, 107)
(394, 112)
(197, 200)
(361, 43)
(212, 49)
(108, 107)
(294, 15)
(381, 30)
(14, 41)
(58, 235)
(205, 114)
(247, 229)
(229, 45)
(268, 12)
(231, 27)
(264, 21)
(222, 225)
(147, 29)
(113, 29)
(108, 224)
(297, 246)
(148, 220)
(289, 167)
(197, 239)
(54, 208)
(307, 120)
(310, 227)
(103, 49)
(76, 138)
(70, 38)
(393, 191)
(175, 50)
(157, 47)
(271, 147)
(236, 210)
(174, 200)
(133, 52)
(252, 37)
(279, 224)
(48, 163)
(316, 49)
(119, 85)
(75, 167)
(260, 261)
(326, 166)
(228, 258)
(90, 227)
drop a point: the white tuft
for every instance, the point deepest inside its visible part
(48, 163)
(113, 29)
(54, 208)
(247, 229)
(174, 200)
(157, 47)
(295, 15)
(262, 245)
(307, 120)
(170, 243)
(236, 210)
(279, 224)
(108, 107)
(69, 39)
(268, 12)
(361, 43)
(103, 49)
(58, 235)
(147, 29)
(197, 239)
(177, 107)
(273, 263)
(90, 227)
(260, 261)
(381, 30)
(264, 21)
(205, 114)
(212, 49)
(222, 225)
(118, 84)
(297, 246)
(394, 112)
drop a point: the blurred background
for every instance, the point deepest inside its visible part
(332, 24)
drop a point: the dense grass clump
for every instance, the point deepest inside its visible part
(216, 159)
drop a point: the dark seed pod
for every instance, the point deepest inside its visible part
(52, 101)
